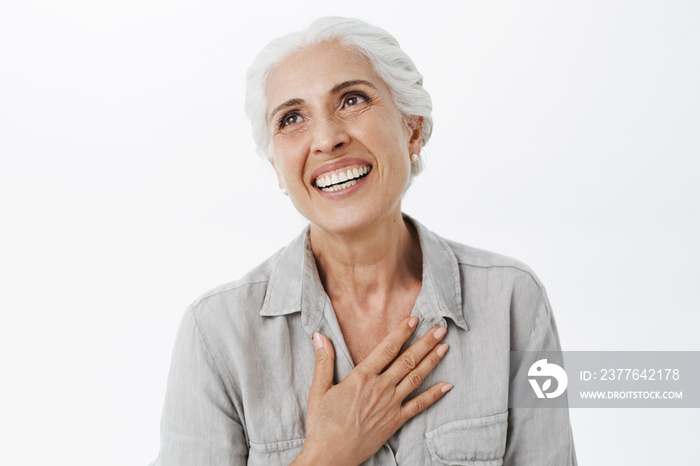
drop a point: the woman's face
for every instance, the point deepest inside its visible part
(342, 149)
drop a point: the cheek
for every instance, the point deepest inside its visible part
(289, 145)
(397, 136)
(289, 164)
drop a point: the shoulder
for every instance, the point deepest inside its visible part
(499, 287)
(234, 300)
(485, 277)
(477, 261)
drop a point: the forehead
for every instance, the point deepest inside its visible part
(314, 70)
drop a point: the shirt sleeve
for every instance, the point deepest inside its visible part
(540, 436)
(199, 425)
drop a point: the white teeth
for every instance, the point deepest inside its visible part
(340, 187)
(323, 181)
(341, 180)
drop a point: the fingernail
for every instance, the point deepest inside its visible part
(442, 349)
(318, 341)
(412, 322)
(439, 333)
(446, 388)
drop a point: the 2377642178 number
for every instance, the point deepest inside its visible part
(640, 374)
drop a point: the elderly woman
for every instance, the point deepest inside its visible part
(335, 350)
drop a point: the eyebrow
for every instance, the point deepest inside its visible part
(337, 88)
(289, 103)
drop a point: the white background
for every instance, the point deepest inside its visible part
(566, 135)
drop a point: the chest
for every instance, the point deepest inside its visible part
(362, 336)
(363, 329)
(274, 394)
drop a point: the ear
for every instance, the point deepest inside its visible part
(415, 143)
(279, 178)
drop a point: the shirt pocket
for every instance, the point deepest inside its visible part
(275, 453)
(469, 442)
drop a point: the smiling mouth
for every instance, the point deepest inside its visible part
(341, 180)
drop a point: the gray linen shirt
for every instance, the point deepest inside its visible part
(244, 359)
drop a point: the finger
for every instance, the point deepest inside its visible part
(422, 401)
(418, 375)
(389, 348)
(409, 359)
(323, 368)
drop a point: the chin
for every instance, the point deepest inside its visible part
(349, 221)
(342, 226)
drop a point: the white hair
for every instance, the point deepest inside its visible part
(378, 46)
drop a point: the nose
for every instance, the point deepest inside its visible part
(329, 135)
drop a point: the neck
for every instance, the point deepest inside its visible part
(369, 266)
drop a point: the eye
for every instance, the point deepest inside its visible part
(355, 99)
(289, 119)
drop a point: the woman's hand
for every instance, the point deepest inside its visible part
(349, 422)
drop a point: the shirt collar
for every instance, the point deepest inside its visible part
(295, 286)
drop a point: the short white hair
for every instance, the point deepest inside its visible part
(382, 50)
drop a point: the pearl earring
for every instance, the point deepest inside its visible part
(414, 157)
(284, 191)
